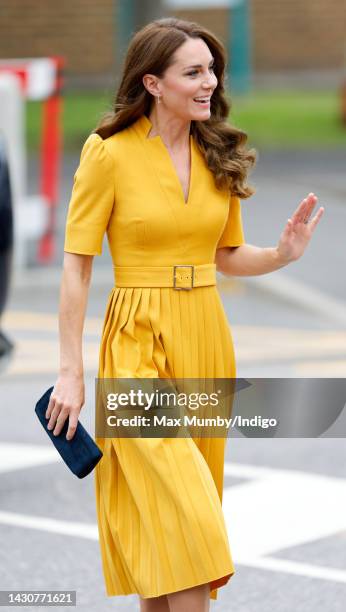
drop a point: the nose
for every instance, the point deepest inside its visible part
(208, 88)
(210, 83)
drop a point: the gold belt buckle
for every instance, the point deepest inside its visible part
(175, 277)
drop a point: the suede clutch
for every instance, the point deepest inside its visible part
(81, 454)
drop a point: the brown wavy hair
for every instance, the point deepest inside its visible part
(151, 51)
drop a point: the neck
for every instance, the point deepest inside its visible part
(174, 131)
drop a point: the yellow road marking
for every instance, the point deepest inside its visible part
(307, 350)
(42, 356)
(254, 343)
(39, 321)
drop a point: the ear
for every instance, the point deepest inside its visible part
(151, 84)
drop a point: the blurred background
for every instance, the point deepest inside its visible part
(60, 64)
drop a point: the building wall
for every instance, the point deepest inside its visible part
(296, 34)
(215, 19)
(287, 34)
(81, 30)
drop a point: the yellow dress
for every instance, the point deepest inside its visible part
(158, 500)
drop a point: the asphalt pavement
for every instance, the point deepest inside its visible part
(284, 499)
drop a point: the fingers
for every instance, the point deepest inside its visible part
(300, 209)
(50, 406)
(63, 414)
(309, 208)
(288, 227)
(73, 422)
(57, 413)
(316, 218)
(304, 209)
(53, 411)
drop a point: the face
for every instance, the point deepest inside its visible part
(190, 76)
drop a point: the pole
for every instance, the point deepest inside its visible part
(130, 15)
(239, 70)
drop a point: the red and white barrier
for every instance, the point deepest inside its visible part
(37, 79)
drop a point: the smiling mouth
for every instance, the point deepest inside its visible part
(202, 101)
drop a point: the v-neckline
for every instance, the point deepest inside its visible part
(158, 142)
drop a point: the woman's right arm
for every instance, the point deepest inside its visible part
(68, 397)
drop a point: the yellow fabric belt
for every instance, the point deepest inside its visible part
(180, 276)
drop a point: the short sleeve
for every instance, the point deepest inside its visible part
(233, 234)
(92, 199)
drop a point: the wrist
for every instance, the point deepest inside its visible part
(71, 372)
(280, 259)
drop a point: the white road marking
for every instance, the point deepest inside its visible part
(299, 569)
(21, 456)
(276, 510)
(281, 509)
(41, 523)
(300, 294)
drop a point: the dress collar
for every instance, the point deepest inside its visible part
(162, 162)
(144, 125)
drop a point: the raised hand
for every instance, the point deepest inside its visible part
(299, 229)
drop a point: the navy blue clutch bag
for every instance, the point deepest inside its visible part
(81, 454)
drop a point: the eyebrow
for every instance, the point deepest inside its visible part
(199, 65)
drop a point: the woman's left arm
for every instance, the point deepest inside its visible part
(250, 260)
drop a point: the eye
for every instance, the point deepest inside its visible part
(193, 72)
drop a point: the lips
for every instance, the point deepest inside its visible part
(206, 99)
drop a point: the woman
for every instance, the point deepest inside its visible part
(163, 175)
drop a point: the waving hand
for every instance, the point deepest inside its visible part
(299, 229)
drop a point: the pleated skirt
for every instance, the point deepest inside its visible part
(159, 500)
